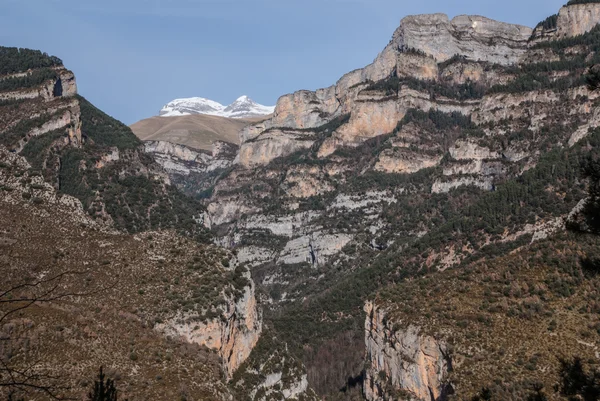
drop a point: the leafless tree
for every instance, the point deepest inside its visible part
(16, 299)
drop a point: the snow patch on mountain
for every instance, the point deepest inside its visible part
(242, 107)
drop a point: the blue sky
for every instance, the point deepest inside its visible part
(132, 56)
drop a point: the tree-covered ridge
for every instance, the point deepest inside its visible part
(109, 172)
(13, 60)
(524, 310)
(549, 23)
(127, 189)
(104, 130)
(464, 219)
(35, 78)
(391, 86)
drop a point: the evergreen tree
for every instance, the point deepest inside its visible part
(104, 390)
(538, 394)
(577, 384)
(593, 77)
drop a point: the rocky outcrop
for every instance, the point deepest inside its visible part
(300, 182)
(462, 71)
(477, 38)
(363, 201)
(442, 187)
(305, 109)
(418, 66)
(313, 249)
(233, 334)
(57, 110)
(112, 156)
(70, 120)
(577, 19)
(368, 120)
(271, 145)
(183, 160)
(64, 85)
(585, 129)
(67, 83)
(405, 161)
(506, 106)
(416, 48)
(466, 150)
(287, 226)
(227, 210)
(402, 362)
(572, 20)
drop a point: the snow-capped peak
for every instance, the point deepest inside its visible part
(242, 107)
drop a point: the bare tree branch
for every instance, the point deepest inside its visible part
(20, 297)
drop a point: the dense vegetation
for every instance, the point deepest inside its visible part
(104, 130)
(549, 23)
(13, 60)
(35, 78)
(15, 134)
(466, 91)
(463, 218)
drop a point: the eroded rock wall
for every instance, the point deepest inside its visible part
(233, 334)
(402, 362)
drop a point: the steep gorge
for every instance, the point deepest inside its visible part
(398, 235)
(461, 142)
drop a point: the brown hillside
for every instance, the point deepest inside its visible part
(196, 131)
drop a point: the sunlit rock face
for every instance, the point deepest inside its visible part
(402, 362)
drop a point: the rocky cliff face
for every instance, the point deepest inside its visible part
(484, 124)
(403, 364)
(572, 20)
(416, 48)
(57, 103)
(577, 19)
(233, 334)
(183, 160)
(459, 142)
(64, 85)
(477, 38)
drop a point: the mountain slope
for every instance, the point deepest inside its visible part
(123, 296)
(461, 143)
(83, 152)
(195, 131)
(167, 317)
(242, 107)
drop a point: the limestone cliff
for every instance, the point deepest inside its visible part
(183, 160)
(58, 108)
(416, 48)
(577, 19)
(407, 167)
(233, 334)
(572, 20)
(402, 363)
(477, 38)
(63, 85)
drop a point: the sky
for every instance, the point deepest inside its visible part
(131, 57)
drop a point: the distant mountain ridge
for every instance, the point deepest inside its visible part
(242, 107)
